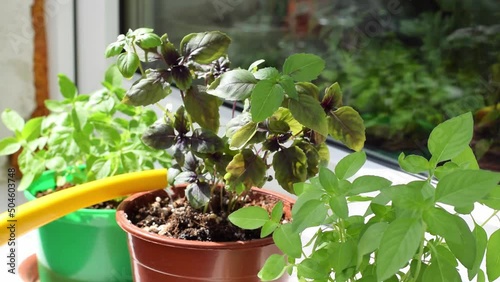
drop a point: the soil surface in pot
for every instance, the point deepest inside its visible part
(108, 205)
(177, 219)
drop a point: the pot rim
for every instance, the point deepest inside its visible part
(132, 230)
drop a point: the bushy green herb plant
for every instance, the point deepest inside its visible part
(94, 130)
(283, 125)
(409, 232)
(400, 98)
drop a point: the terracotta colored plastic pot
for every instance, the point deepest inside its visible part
(158, 258)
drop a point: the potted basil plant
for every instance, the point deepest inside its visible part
(183, 232)
(83, 138)
(424, 230)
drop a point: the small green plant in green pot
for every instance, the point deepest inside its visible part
(424, 230)
(283, 125)
(84, 137)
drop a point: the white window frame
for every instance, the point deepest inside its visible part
(77, 35)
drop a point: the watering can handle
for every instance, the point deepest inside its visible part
(43, 210)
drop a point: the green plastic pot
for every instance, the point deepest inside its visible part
(86, 245)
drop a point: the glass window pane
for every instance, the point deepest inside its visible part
(405, 65)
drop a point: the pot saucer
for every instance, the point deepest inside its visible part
(28, 270)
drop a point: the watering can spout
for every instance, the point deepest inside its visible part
(41, 211)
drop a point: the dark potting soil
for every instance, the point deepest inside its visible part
(177, 219)
(108, 205)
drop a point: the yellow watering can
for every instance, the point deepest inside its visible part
(41, 211)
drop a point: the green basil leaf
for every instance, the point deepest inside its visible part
(234, 85)
(182, 77)
(267, 97)
(241, 137)
(108, 133)
(313, 157)
(251, 217)
(410, 197)
(441, 268)
(466, 159)
(114, 49)
(159, 135)
(79, 117)
(283, 114)
(198, 194)
(312, 213)
(127, 63)
(303, 67)
(141, 31)
(481, 277)
(277, 212)
(465, 250)
(312, 269)
(329, 181)
(9, 146)
(289, 86)
(55, 106)
(399, 244)
(246, 168)
(148, 40)
(205, 141)
(113, 76)
(308, 111)
(203, 108)
(346, 125)
(169, 52)
(413, 163)
(268, 228)
(273, 268)
(493, 256)
(67, 87)
(464, 187)
(308, 89)
(181, 121)
(338, 204)
(309, 193)
(450, 138)
(332, 98)
(370, 240)
(492, 200)
(148, 90)
(341, 255)
(102, 169)
(269, 73)
(12, 120)
(442, 223)
(447, 168)
(481, 241)
(350, 164)
(254, 65)
(368, 183)
(26, 181)
(205, 47)
(290, 165)
(184, 177)
(288, 241)
(56, 163)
